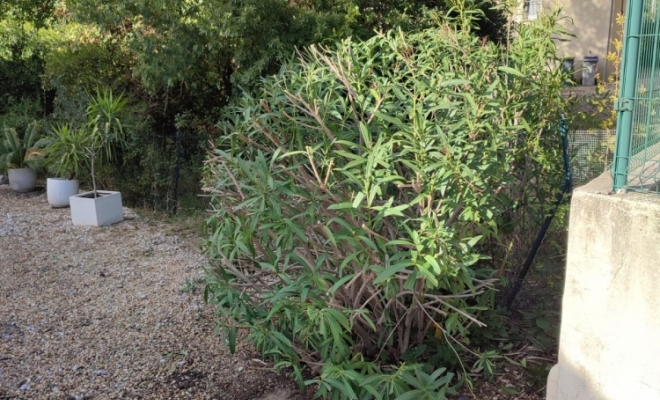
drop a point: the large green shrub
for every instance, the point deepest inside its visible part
(364, 196)
(20, 64)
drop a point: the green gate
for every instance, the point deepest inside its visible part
(637, 159)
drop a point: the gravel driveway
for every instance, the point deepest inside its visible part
(112, 312)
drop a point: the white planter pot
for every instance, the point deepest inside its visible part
(106, 209)
(22, 179)
(59, 190)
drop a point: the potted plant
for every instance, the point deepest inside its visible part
(64, 150)
(20, 157)
(105, 134)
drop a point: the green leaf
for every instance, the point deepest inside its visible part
(396, 210)
(392, 270)
(543, 323)
(455, 82)
(474, 240)
(412, 395)
(510, 390)
(231, 333)
(510, 71)
(341, 206)
(358, 200)
(399, 242)
(434, 263)
(340, 283)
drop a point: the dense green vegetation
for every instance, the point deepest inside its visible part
(179, 63)
(375, 165)
(367, 199)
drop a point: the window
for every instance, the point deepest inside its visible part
(531, 9)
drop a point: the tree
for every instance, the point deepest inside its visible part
(187, 43)
(21, 62)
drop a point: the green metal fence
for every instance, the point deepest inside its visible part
(637, 159)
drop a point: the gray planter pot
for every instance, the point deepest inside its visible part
(106, 209)
(22, 179)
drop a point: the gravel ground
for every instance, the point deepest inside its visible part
(117, 313)
(112, 312)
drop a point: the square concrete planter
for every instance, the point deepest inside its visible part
(106, 209)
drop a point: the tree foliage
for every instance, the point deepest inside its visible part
(194, 42)
(38, 12)
(20, 61)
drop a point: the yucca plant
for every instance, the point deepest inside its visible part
(3, 152)
(17, 152)
(65, 149)
(71, 149)
(105, 129)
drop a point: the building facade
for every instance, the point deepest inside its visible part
(594, 24)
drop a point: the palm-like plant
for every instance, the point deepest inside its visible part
(71, 149)
(20, 153)
(3, 154)
(65, 149)
(105, 129)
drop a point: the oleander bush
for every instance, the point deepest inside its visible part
(366, 198)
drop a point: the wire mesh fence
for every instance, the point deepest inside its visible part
(190, 148)
(591, 152)
(167, 174)
(637, 162)
(532, 9)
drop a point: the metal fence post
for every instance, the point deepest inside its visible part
(625, 103)
(177, 171)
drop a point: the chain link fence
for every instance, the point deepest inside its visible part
(167, 173)
(592, 153)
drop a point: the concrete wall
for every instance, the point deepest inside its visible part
(610, 329)
(593, 24)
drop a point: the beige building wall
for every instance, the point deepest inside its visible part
(619, 7)
(593, 22)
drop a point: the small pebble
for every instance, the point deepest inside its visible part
(100, 372)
